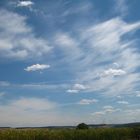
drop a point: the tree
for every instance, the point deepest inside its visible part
(82, 126)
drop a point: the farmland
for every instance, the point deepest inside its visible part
(70, 134)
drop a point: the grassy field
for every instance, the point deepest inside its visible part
(70, 134)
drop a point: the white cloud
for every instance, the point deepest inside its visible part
(87, 101)
(106, 110)
(132, 111)
(108, 107)
(114, 72)
(109, 110)
(100, 113)
(33, 104)
(119, 97)
(68, 47)
(138, 95)
(43, 86)
(81, 53)
(35, 112)
(122, 102)
(101, 39)
(126, 115)
(76, 88)
(106, 40)
(25, 3)
(37, 67)
(72, 91)
(38, 86)
(79, 87)
(18, 40)
(28, 112)
(64, 40)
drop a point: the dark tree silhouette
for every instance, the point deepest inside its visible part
(82, 126)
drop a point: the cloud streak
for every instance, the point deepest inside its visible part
(114, 72)
(87, 101)
(123, 102)
(106, 110)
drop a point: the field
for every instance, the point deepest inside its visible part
(71, 134)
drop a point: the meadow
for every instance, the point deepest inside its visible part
(70, 134)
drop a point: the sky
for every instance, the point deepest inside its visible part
(63, 62)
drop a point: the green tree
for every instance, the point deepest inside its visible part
(82, 126)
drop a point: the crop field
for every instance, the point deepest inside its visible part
(71, 134)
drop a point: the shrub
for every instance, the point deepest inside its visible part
(82, 126)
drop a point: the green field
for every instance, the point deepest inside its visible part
(71, 134)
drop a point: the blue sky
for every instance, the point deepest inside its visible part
(63, 62)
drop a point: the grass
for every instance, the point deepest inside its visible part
(70, 134)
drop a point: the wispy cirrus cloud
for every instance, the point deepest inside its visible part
(114, 72)
(105, 39)
(123, 102)
(19, 43)
(121, 8)
(90, 56)
(106, 110)
(87, 101)
(121, 115)
(39, 86)
(108, 107)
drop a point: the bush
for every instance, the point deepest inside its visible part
(82, 126)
